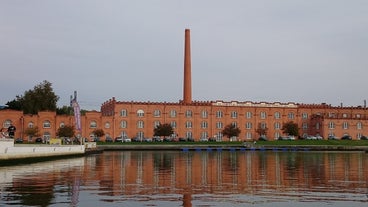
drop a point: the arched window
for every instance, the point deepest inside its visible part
(123, 124)
(204, 114)
(277, 115)
(30, 124)
(248, 115)
(107, 125)
(124, 113)
(172, 113)
(157, 113)
(219, 114)
(93, 124)
(140, 113)
(140, 124)
(46, 124)
(204, 124)
(234, 114)
(188, 114)
(7, 123)
(263, 115)
(62, 124)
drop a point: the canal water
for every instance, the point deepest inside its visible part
(191, 178)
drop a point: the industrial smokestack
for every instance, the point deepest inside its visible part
(187, 89)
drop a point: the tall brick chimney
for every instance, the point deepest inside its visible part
(187, 89)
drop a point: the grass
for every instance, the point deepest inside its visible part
(264, 143)
(316, 142)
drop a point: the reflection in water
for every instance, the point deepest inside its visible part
(194, 178)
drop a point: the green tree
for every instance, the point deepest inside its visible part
(32, 132)
(64, 110)
(163, 130)
(41, 98)
(66, 131)
(231, 130)
(290, 128)
(15, 104)
(98, 133)
(262, 130)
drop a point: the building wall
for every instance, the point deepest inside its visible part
(311, 119)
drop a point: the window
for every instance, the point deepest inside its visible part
(123, 124)
(107, 125)
(204, 124)
(234, 114)
(188, 114)
(188, 124)
(204, 134)
(345, 125)
(172, 113)
(7, 123)
(124, 113)
(93, 124)
(173, 124)
(263, 125)
(219, 125)
(140, 124)
(188, 134)
(331, 125)
(248, 115)
(291, 115)
(277, 115)
(344, 115)
(277, 125)
(317, 125)
(248, 125)
(46, 124)
(248, 135)
(219, 114)
(359, 125)
(304, 115)
(357, 116)
(156, 123)
(235, 124)
(204, 114)
(157, 113)
(305, 125)
(263, 115)
(62, 124)
(30, 125)
(140, 113)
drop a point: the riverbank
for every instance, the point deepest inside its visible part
(231, 147)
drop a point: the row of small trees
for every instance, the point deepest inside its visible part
(230, 130)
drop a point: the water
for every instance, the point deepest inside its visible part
(194, 178)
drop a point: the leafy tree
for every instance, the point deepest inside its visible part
(66, 131)
(98, 132)
(290, 128)
(262, 130)
(231, 130)
(163, 130)
(32, 132)
(65, 110)
(41, 98)
(15, 104)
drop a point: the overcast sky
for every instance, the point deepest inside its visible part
(303, 51)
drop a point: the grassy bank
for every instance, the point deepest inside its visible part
(259, 143)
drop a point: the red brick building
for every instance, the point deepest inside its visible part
(199, 119)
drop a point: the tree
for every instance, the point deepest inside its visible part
(163, 130)
(15, 104)
(66, 131)
(262, 130)
(32, 132)
(231, 130)
(65, 110)
(290, 128)
(41, 98)
(98, 133)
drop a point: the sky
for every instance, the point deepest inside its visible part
(302, 51)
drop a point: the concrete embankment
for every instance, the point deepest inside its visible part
(10, 152)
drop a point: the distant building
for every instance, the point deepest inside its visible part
(199, 119)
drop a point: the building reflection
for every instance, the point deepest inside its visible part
(189, 174)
